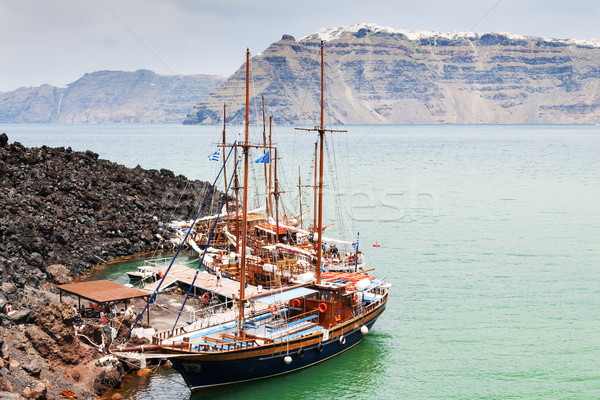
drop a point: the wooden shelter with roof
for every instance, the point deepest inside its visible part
(103, 293)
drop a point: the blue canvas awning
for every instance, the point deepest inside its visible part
(285, 295)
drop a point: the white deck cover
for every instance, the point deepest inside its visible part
(286, 295)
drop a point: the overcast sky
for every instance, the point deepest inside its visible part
(57, 41)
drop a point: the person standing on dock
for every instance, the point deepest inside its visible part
(218, 273)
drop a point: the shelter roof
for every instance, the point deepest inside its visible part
(102, 291)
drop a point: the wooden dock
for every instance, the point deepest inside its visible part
(205, 282)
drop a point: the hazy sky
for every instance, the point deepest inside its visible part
(57, 41)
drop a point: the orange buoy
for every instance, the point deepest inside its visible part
(322, 307)
(274, 309)
(296, 303)
(204, 298)
(355, 297)
(376, 245)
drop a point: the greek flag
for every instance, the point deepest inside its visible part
(216, 156)
(355, 245)
(265, 158)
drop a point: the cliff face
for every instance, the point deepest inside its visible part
(378, 75)
(59, 206)
(109, 96)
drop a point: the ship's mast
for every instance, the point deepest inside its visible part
(244, 234)
(270, 169)
(315, 205)
(224, 163)
(321, 153)
(300, 196)
(269, 212)
(321, 129)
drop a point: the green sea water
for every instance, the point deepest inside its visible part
(490, 236)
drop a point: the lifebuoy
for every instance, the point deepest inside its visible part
(319, 347)
(355, 297)
(322, 307)
(342, 339)
(296, 303)
(204, 298)
(327, 262)
(274, 309)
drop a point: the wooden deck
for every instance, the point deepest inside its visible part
(205, 282)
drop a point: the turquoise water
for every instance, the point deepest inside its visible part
(489, 234)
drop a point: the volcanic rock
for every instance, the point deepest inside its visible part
(62, 212)
(58, 274)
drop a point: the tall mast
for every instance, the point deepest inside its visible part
(316, 206)
(319, 209)
(276, 194)
(267, 189)
(224, 170)
(300, 196)
(237, 202)
(321, 153)
(270, 169)
(245, 201)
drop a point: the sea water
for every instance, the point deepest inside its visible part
(490, 236)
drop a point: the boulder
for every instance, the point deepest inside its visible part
(33, 367)
(35, 393)
(19, 317)
(109, 379)
(59, 274)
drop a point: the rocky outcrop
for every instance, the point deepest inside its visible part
(63, 212)
(377, 75)
(47, 359)
(109, 96)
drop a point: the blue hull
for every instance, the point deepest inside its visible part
(201, 373)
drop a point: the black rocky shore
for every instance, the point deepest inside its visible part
(63, 212)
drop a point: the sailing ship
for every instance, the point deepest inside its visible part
(285, 329)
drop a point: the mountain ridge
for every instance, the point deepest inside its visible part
(108, 96)
(377, 75)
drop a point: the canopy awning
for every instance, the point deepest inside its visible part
(102, 291)
(284, 296)
(316, 235)
(291, 248)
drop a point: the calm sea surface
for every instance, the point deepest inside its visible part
(490, 236)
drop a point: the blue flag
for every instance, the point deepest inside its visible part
(355, 245)
(265, 158)
(216, 156)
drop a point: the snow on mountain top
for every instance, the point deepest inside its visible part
(328, 34)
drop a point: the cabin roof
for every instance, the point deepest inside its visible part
(286, 295)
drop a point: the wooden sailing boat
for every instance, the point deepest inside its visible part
(282, 330)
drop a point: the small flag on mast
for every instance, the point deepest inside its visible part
(265, 158)
(355, 245)
(216, 156)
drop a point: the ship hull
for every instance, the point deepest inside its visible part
(203, 372)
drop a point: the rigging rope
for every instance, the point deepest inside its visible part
(210, 236)
(153, 296)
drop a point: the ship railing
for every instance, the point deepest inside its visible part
(209, 344)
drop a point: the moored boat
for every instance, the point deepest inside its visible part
(289, 327)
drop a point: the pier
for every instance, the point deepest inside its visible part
(205, 282)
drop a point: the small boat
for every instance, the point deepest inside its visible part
(143, 273)
(376, 245)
